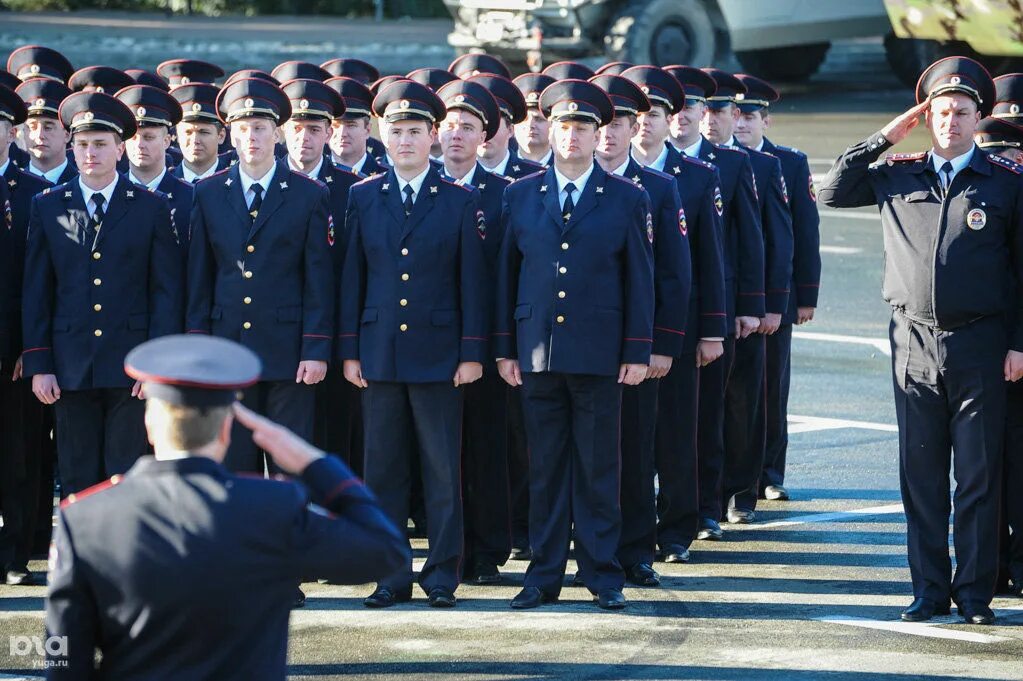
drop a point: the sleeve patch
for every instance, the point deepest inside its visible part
(649, 228)
(682, 227)
(330, 230)
(784, 189)
(719, 203)
(481, 224)
(813, 190)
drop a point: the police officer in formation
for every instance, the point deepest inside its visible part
(952, 221)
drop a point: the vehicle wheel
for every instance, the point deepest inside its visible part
(785, 64)
(662, 32)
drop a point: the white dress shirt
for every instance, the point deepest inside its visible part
(314, 173)
(188, 176)
(87, 193)
(958, 163)
(151, 186)
(579, 182)
(51, 175)
(662, 158)
(416, 183)
(248, 182)
(693, 150)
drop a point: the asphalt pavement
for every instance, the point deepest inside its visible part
(812, 590)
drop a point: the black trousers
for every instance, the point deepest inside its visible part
(638, 540)
(950, 403)
(337, 421)
(518, 469)
(26, 446)
(745, 432)
(396, 416)
(487, 504)
(101, 432)
(678, 496)
(285, 402)
(572, 425)
(711, 430)
(1011, 554)
(778, 379)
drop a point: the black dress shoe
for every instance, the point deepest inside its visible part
(384, 597)
(21, 577)
(1015, 588)
(641, 574)
(776, 493)
(710, 530)
(739, 516)
(924, 609)
(299, 601)
(485, 573)
(975, 612)
(532, 597)
(675, 553)
(522, 553)
(610, 599)
(439, 597)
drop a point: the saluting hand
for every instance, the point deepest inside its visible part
(903, 124)
(352, 369)
(290, 452)
(510, 372)
(1013, 366)
(311, 372)
(632, 374)
(468, 372)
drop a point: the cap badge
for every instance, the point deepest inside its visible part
(88, 116)
(39, 102)
(976, 219)
(1014, 109)
(955, 80)
(303, 104)
(646, 90)
(249, 103)
(185, 80)
(196, 107)
(34, 68)
(404, 104)
(459, 99)
(141, 111)
(739, 96)
(572, 106)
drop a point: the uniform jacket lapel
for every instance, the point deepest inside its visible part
(550, 200)
(424, 201)
(392, 198)
(591, 195)
(234, 195)
(124, 191)
(276, 194)
(76, 215)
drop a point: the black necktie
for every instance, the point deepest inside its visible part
(946, 176)
(566, 210)
(257, 201)
(408, 199)
(96, 221)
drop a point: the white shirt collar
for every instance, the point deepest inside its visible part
(51, 175)
(192, 177)
(501, 167)
(662, 158)
(148, 185)
(759, 147)
(467, 180)
(958, 163)
(357, 168)
(87, 193)
(3, 168)
(693, 150)
(247, 181)
(314, 173)
(547, 160)
(416, 183)
(579, 182)
(620, 170)
(731, 144)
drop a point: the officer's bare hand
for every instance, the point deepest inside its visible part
(744, 326)
(19, 369)
(632, 374)
(903, 124)
(804, 314)
(290, 452)
(468, 372)
(510, 372)
(708, 351)
(311, 371)
(660, 365)
(45, 388)
(769, 324)
(352, 369)
(137, 391)
(1013, 366)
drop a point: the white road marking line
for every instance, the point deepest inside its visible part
(890, 509)
(840, 250)
(809, 424)
(881, 344)
(929, 630)
(851, 215)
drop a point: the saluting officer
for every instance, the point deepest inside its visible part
(156, 113)
(754, 119)
(533, 133)
(414, 328)
(699, 187)
(200, 132)
(495, 154)
(472, 117)
(178, 564)
(349, 143)
(672, 279)
(259, 268)
(102, 274)
(46, 138)
(574, 322)
(952, 349)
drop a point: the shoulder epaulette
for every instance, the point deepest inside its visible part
(1003, 162)
(78, 496)
(905, 158)
(791, 150)
(455, 184)
(699, 161)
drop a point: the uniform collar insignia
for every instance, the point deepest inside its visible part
(67, 194)
(169, 195)
(482, 186)
(543, 187)
(636, 179)
(227, 182)
(515, 168)
(284, 185)
(330, 179)
(677, 170)
(711, 156)
(600, 190)
(130, 193)
(13, 183)
(433, 189)
(385, 186)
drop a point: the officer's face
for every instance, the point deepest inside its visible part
(199, 142)
(350, 135)
(717, 124)
(47, 138)
(653, 127)
(254, 139)
(409, 142)
(6, 138)
(305, 139)
(534, 132)
(685, 125)
(461, 134)
(496, 147)
(614, 138)
(750, 127)
(96, 153)
(146, 149)
(574, 141)
(953, 119)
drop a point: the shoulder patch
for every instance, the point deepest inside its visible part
(78, 496)
(905, 158)
(1005, 163)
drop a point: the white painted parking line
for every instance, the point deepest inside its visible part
(927, 629)
(810, 424)
(890, 509)
(840, 250)
(881, 344)
(850, 215)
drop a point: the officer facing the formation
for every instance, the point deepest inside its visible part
(413, 330)
(206, 580)
(754, 119)
(533, 133)
(952, 222)
(95, 291)
(45, 136)
(472, 118)
(156, 114)
(574, 322)
(200, 132)
(259, 269)
(350, 138)
(495, 154)
(672, 280)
